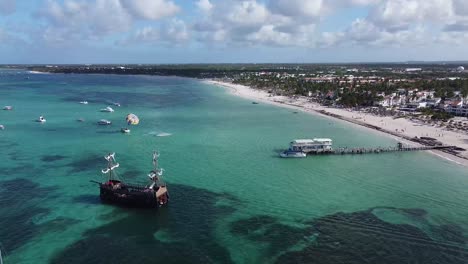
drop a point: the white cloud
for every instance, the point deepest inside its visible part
(151, 9)
(294, 8)
(248, 13)
(175, 32)
(461, 7)
(73, 20)
(402, 14)
(83, 20)
(292, 23)
(204, 5)
(148, 34)
(364, 33)
(253, 22)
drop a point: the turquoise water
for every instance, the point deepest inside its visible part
(232, 198)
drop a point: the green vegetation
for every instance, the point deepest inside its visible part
(329, 84)
(436, 115)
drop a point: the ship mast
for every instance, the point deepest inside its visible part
(156, 173)
(111, 165)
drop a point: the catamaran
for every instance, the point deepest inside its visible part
(116, 191)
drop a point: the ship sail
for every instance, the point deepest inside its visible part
(110, 168)
(156, 172)
(111, 165)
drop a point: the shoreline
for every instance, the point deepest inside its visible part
(382, 125)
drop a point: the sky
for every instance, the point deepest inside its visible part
(232, 31)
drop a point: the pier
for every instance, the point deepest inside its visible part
(376, 150)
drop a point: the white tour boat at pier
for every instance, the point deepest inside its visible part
(308, 146)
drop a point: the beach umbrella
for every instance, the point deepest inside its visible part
(132, 119)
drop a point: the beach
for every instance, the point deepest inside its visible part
(400, 128)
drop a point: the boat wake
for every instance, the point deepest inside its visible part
(159, 134)
(164, 134)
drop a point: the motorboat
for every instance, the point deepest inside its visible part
(2, 127)
(84, 102)
(80, 120)
(41, 119)
(107, 109)
(116, 104)
(104, 122)
(125, 130)
(8, 107)
(292, 154)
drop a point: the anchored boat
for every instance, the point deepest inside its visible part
(292, 154)
(116, 191)
(41, 119)
(107, 109)
(104, 122)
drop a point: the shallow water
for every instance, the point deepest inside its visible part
(232, 198)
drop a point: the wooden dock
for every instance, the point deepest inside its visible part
(359, 151)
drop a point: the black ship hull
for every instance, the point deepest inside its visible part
(131, 196)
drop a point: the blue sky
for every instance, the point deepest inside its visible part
(230, 31)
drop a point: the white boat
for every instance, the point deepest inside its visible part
(104, 122)
(107, 109)
(125, 130)
(84, 102)
(292, 154)
(8, 107)
(41, 119)
(2, 127)
(116, 104)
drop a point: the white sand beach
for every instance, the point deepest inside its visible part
(401, 127)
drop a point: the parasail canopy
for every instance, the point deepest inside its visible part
(132, 119)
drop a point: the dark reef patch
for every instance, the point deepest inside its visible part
(16, 156)
(268, 229)
(361, 237)
(21, 170)
(52, 158)
(90, 162)
(18, 206)
(450, 233)
(87, 199)
(58, 224)
(188, 220)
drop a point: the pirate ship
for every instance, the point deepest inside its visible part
(116, 191)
